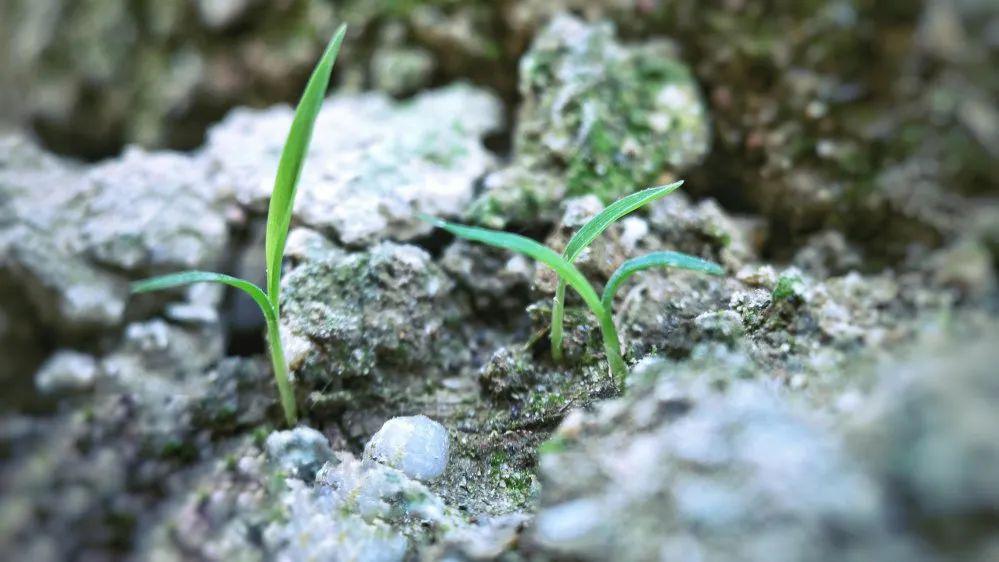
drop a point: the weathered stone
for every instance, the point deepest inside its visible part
(71, 250)
(373, 164)
(300, 452)
(604, 118)
(376, 314)
(927, 433)
(681, 468)
(67, 371)
(416, 445)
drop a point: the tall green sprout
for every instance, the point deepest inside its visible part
(279, 215)
(571, 276)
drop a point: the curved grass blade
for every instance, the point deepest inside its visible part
(188, 277)
(290, 166)
(611, 214)
(655, 259)
(562, 267)
(586, 235)
(270, 315)
(524, 245)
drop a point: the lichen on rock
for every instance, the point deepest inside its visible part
(598, 117)
(386, 163)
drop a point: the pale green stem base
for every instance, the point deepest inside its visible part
(281, 373)
(558, 310)
(612, 347)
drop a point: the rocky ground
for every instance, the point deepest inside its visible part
(831, 397)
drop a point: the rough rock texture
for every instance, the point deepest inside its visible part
(700, 460)
(80, 484)
(382, 308)
(597, 117)
(65, 372)
(373, 165)
(349, 509)
(92, 76)
(830, 397)
(299, 453)
(72, 236)
(928, 412)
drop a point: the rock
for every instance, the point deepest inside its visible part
(680, 467)
(161, 368)
(299, 452)
(416, 445)
(826, 254)
(578, 123)
(367, 314)
(103, 75)
(399, 71)
(71, 250)
(373, 164)
(239, 393)
(67, 371)
(494, 277)
(151, 212)
(220, 14)
(927, 433)
(358, 511)
(489, 539)
(110, 458)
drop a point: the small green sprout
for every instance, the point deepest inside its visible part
(586, 235)
(278, 222)
(570, 275)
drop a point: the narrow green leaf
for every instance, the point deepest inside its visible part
(586, 235)
(562, 267)
(524, 245)
(290, 166)
(189, 277)
(655, 259)
(611, 214)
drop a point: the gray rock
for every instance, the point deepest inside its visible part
(71, 250)
(928, 433)
(67, 371)
(398, 70)
(358, 511)
(494, 276)
(373, 163)
(579, 125)
(416, 445)
(300, 452)
(104, 74)
(219, 14)
(385, 310)
(681, 468)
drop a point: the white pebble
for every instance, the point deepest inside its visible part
(416, 445)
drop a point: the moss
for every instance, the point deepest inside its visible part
(260, 434)
(557, 444)
(519, 483)
(788, 285)
(180, 450)
(623, 148)
(546, 402)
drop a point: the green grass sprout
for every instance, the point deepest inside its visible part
(655, 259)
(279, 215)
(586, 235)
(571, 276)
(562, 267)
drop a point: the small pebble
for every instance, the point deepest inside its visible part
(416, 445)
(299, 452)
(66, 371)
